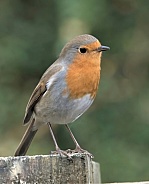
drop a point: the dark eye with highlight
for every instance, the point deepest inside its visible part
(82, 50)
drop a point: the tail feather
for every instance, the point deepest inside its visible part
(26, 140)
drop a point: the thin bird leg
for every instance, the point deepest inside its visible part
(78, 147)
(58, 150)
(53, 137)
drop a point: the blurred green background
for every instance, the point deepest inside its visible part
(116, 128)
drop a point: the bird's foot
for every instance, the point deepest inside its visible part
(78, 149)
(62, 153)
(69, 153)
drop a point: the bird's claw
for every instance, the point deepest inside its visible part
(62, 153)
(69, 153)
(79, 150)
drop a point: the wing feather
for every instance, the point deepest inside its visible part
(39, 91)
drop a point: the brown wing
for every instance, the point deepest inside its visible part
(39, 91)
(35, 97)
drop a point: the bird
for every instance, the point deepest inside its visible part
(65, 91)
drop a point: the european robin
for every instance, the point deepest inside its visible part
(65, 91)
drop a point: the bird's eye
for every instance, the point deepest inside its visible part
(82, 50)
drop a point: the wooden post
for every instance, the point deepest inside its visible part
(141, 182)
(53, 169)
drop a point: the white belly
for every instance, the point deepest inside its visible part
(62, 111)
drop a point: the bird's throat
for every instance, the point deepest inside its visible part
(83, 79)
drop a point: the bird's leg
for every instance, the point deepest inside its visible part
(58, 150)
(78, 148)
(53, 137)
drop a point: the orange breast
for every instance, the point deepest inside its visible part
(83, 75)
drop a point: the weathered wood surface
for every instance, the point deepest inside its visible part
(141, 182)
(44, 169)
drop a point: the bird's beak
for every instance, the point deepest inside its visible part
(103, 48)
